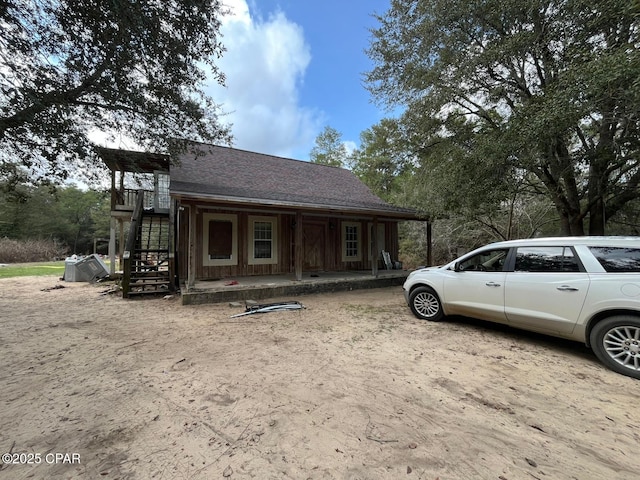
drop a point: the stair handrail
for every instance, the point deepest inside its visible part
(130, 245)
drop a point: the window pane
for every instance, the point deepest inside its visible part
(262, 249)
(490, 261)
(220, 239)
(569, 261)
(262, 239)
(618, 259)
(262, 230)
(546, 259)
(351, 241)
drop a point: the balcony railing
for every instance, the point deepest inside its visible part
(125, 199)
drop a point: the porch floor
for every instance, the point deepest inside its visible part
(260, 287)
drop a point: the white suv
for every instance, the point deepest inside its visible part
(583, 288)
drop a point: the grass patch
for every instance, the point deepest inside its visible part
(37, 269)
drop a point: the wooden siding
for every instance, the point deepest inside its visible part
(330, 226)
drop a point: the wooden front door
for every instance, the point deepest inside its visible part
(313, 235)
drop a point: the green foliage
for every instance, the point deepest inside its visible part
(67, 216)
(329, 149)
(79, 220)
(505, 100)
(72, 67)
(380, 162)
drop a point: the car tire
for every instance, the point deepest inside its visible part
(425, 304)
(616, 343)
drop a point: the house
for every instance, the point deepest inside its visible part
(229, 213)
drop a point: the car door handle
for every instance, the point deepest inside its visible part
(492, 284)
(567, 288)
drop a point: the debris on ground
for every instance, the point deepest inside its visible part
(270, 307)
(55, 287)
(114, 289)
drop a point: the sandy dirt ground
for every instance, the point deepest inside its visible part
(352, 387)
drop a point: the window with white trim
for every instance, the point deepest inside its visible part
(351, 236)
(220, 239)
(263, 240)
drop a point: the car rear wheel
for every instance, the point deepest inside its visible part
(425, 304)
(616, 342)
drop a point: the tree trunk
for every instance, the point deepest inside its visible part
(570, 225)
(557, 174)
(577, 227)
(597, 218)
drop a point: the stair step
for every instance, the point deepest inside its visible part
(143, 281)
(148, 292)
(150, 281)
(162, 278)
(154, 214)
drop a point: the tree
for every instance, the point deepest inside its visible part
(495, 90)
(28, 212)
(70, 68)
(381, 161)
(78, 218)
(329, 149)
(68, 215)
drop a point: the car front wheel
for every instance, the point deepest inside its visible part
(425, 304)
(616, 342)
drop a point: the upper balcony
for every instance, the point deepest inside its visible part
(148, 172)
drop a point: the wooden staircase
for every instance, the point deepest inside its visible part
(146, 268)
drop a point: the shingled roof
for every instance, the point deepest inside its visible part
(242, 177)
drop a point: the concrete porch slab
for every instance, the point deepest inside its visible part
(256, 288)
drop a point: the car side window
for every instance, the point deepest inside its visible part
(618, 259)
(487, 261)
(546, 259)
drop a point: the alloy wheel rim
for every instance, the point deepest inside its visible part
(427, 304)
(622, 344)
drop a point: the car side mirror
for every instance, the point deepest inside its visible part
(457, 267)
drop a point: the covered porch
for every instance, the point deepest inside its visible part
(286, 285)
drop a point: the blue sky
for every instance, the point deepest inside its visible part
(294, 67)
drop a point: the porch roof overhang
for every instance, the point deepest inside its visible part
(185, 193)
(131, 161)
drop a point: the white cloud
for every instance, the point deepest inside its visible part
(350, 146)
(264, 65)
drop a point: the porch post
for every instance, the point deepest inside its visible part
(113, 190)
(172, 245)
(121, 245)
(122, 183)
(112, 246)
(299, 253)
(191, 274)
(374, 248)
